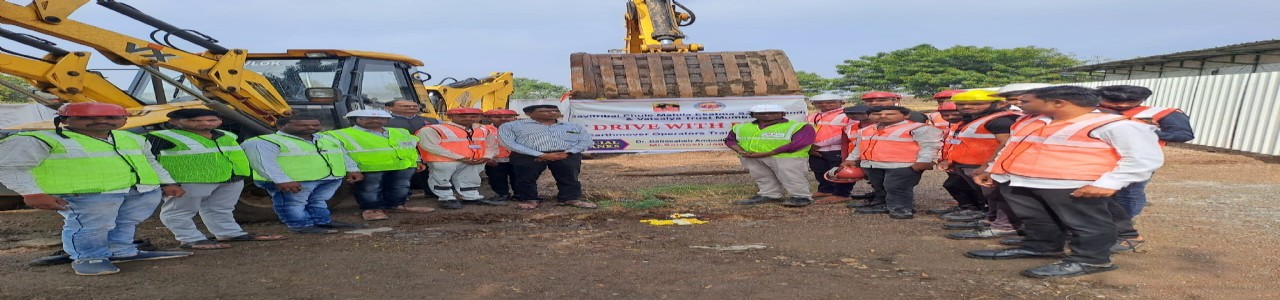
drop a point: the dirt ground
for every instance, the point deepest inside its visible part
(1211, 230)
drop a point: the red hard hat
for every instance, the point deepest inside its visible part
(946, 94)
(91, 109)
(874, 95)
(844, 175)
(947, 106)
(464, 111)
(501, 112)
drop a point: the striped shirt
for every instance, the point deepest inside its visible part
(529, 137)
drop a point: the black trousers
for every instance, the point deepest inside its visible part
(1124, 223)
(896, 187)
(526, 172)
(1048, 214)
(501, 177)
(419, 182)
(820, 165)
(964, 193)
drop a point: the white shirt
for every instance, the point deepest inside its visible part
(1140, 155)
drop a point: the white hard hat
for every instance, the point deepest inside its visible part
(768, 108)
(1017, 87)
(369, 113)
(826, 97)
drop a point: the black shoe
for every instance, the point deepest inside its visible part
(965, 225)
(1126, 245)
(489, 201)
(867, 203)
(964, 216)
(451, 204)
(312, 230)
(1013, 241)
(879, 209)
(944, 210)
(902, 213)
(755, 200)
(863, 196)
(339, 225)
(1010, 253)
(1067, 269)
(983, 233)
(57, 258)
(797, 202)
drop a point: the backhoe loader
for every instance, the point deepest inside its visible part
(250, 90)
(657, 63)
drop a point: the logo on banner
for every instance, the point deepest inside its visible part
(609, 145)
(710, 106)
(666, 107)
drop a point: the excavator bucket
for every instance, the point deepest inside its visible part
(682, 75)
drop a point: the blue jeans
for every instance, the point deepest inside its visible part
(308, 207)
(102, 225)
(383, 190)
(1133, 198)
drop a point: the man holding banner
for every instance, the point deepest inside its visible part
(775, 151)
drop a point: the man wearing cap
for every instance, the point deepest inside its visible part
(975, 142)
(101, 180)
(387, 157)
(887, 99)
(456, 152)
(775, 152)
(829, 122)
(301, 170)
(544, 142)
(499, 170)
(942, 98)
(955, 184)
(894, 154)
(212, 168)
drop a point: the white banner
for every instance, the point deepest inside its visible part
(670, 125)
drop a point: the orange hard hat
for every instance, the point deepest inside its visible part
(464, 111)
(844, 175)
(501, 112)
(91, 109)
(874, 95)
(946, 94)
(947, 106)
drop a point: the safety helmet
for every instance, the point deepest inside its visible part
(92, 109)
(826, 97)
(1014, 88)
(874, 95)
(768, 108)
(501, 112)
(948, 106)
(976, 96)
(369, 113)
(946, 94)
(464, 111)
(844, 174)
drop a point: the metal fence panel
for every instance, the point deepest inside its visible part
(1259, 122)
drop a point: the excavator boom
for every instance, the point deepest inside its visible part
(62, 73)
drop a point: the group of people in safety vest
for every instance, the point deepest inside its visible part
(1039, 167)
(105, 181)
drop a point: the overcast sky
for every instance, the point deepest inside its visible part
(534, 38)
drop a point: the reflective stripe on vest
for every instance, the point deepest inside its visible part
(303, 160)
(828, 124)
(890, 144)
(503, 152)
(1153, 114)
(457, 140)
(752, 138)
(80, 164)
(935, 119)
(374, 153)
(197, 159)
(972, 143)
(1063, 151)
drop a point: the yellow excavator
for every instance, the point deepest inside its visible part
(250, 90)
(657, 63)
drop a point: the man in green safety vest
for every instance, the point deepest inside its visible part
(212, 168)
(388, 158)
(775, 152)
(102, 181)
(301, 170)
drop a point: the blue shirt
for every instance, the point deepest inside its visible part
(1176, 128)
(529, 137)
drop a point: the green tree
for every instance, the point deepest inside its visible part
(924, 69)
(528, 88)
(813, 84)
(8, 95)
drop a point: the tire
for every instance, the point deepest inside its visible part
(255, 204)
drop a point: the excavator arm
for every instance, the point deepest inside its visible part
(653, 26)
(62, 73)
(219, 73)
(486, 93)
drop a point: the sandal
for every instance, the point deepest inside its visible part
(528, 204)
(578, 204)
(204, 245)
(249, 237)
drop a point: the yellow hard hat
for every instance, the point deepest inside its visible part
(976, 96)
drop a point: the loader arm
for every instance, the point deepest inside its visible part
(62, 73)
(220, 76)
(492, 92)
